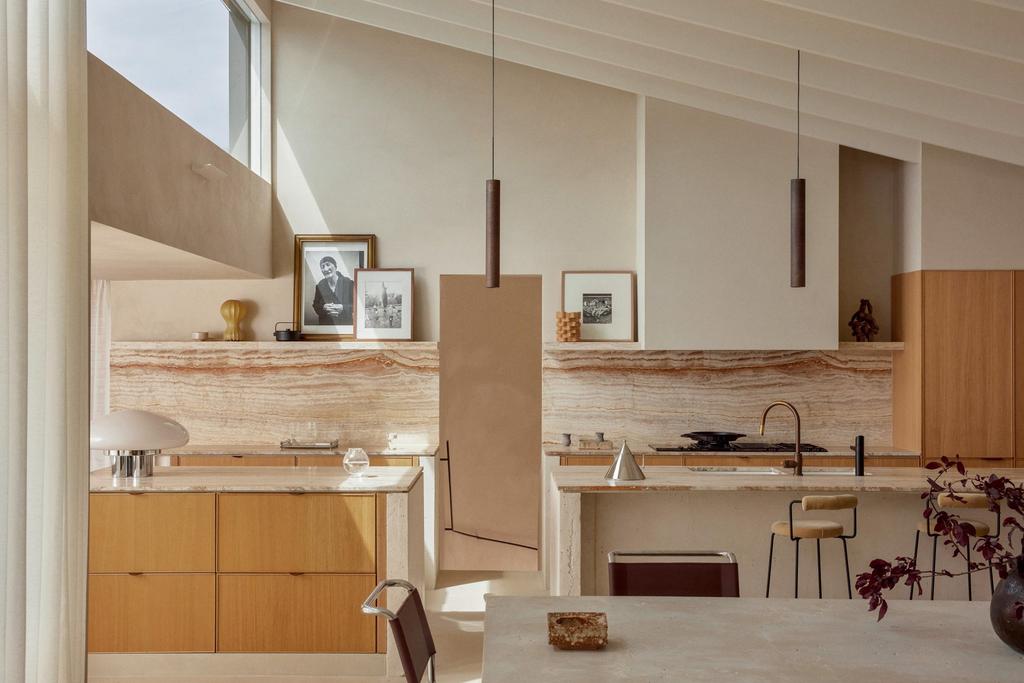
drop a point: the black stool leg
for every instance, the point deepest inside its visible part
(917, 538)
(991, 579)
(970, 593)
(935, 549)
(796, 571)
(846, 559)
(771, 552)
(818, 543)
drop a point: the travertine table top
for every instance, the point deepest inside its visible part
(262, 479)
(576, 479)
(750, 640)
(272, 450)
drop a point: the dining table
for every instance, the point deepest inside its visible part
(750, 639)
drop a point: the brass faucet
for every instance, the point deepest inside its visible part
(799, 456)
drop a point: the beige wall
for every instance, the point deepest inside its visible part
(141, 182)
(717, 235)
(868, 228)
(972, 211)
(908, 207)
(381, 133)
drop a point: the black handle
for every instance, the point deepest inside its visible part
(858, 455)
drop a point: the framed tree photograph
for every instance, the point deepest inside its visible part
(606, 300)
(384, 304)
(324, 284)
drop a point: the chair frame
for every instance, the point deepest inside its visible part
(368, 607)
(935, 550)
(796, 573)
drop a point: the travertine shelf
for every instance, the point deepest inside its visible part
(886, 479)
(274, 345)
(276, 451)
(262, 480)
(834, 451)
(750, 639)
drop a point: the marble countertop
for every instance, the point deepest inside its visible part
(833, 451)
(576, 479)
(262, 479)
(750, 639)
(274, 450)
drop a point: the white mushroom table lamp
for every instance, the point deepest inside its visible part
(134, 438)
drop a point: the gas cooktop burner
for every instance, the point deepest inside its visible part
(742, 447)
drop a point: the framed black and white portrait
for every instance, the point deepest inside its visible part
(606, 301)
(325, 268)
(384, 304)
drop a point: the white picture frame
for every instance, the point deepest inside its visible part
(607, 301)
(384, 304)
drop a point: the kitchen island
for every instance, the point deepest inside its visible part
(248, 571)
(678, 508)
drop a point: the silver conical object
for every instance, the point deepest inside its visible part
(624, 467)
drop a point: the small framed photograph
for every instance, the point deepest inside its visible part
(384, 303)
(606, 300)
(325, 267)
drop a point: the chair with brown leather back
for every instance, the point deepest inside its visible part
(673, 573)
(409, 626)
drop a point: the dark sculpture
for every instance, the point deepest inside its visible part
(863, 324)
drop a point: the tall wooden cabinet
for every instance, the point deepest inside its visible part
(954, 383)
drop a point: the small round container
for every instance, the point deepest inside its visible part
(200, 336)
(356, 462)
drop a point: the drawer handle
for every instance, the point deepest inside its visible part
(134, 573)
(135, 493)
(296, 493)
(237, 456)
(297, 573)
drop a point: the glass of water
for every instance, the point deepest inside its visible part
(356, 462)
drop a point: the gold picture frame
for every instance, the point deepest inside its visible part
(323, 283)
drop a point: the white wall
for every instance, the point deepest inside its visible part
(381, 133)
(972, 211)
(717, 235)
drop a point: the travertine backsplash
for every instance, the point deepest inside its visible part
(260, 393)
(647, 396)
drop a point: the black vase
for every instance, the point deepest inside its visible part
(1003, 610)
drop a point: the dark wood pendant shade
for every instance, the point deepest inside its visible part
(493, 248)
(797, 232)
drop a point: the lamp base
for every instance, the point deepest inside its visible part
(132, 464)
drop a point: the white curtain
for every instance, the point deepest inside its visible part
(44, 356)
(99, 360)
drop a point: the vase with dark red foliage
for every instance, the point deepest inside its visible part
(1007, 603)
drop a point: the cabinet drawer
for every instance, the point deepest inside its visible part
(672, 460)
(282, 532)
(235, 461)
(284, 613)
(151, 532)
(586, 460)
(151, 613)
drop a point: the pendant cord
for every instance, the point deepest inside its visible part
(798, 113)
(492, 89)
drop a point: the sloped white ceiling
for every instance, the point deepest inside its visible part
(878, 75)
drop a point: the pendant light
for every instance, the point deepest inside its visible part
(797, 207)
(492, 262)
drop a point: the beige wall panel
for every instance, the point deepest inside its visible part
(490, 415)
(868, 231)
(227, 394)
(140, 179)
(717, 235)
(655, 396)
(1018, 367)
(380, 133)
(972, 211)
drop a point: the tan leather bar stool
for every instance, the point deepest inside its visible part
(976, 501)
(816, 529)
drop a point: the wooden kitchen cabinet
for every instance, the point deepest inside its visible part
(953, 385)
(151, 532)
(294, 613)
(309, 532)
(151, 613)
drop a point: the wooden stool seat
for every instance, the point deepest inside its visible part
(981, 528)
(809, 528)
